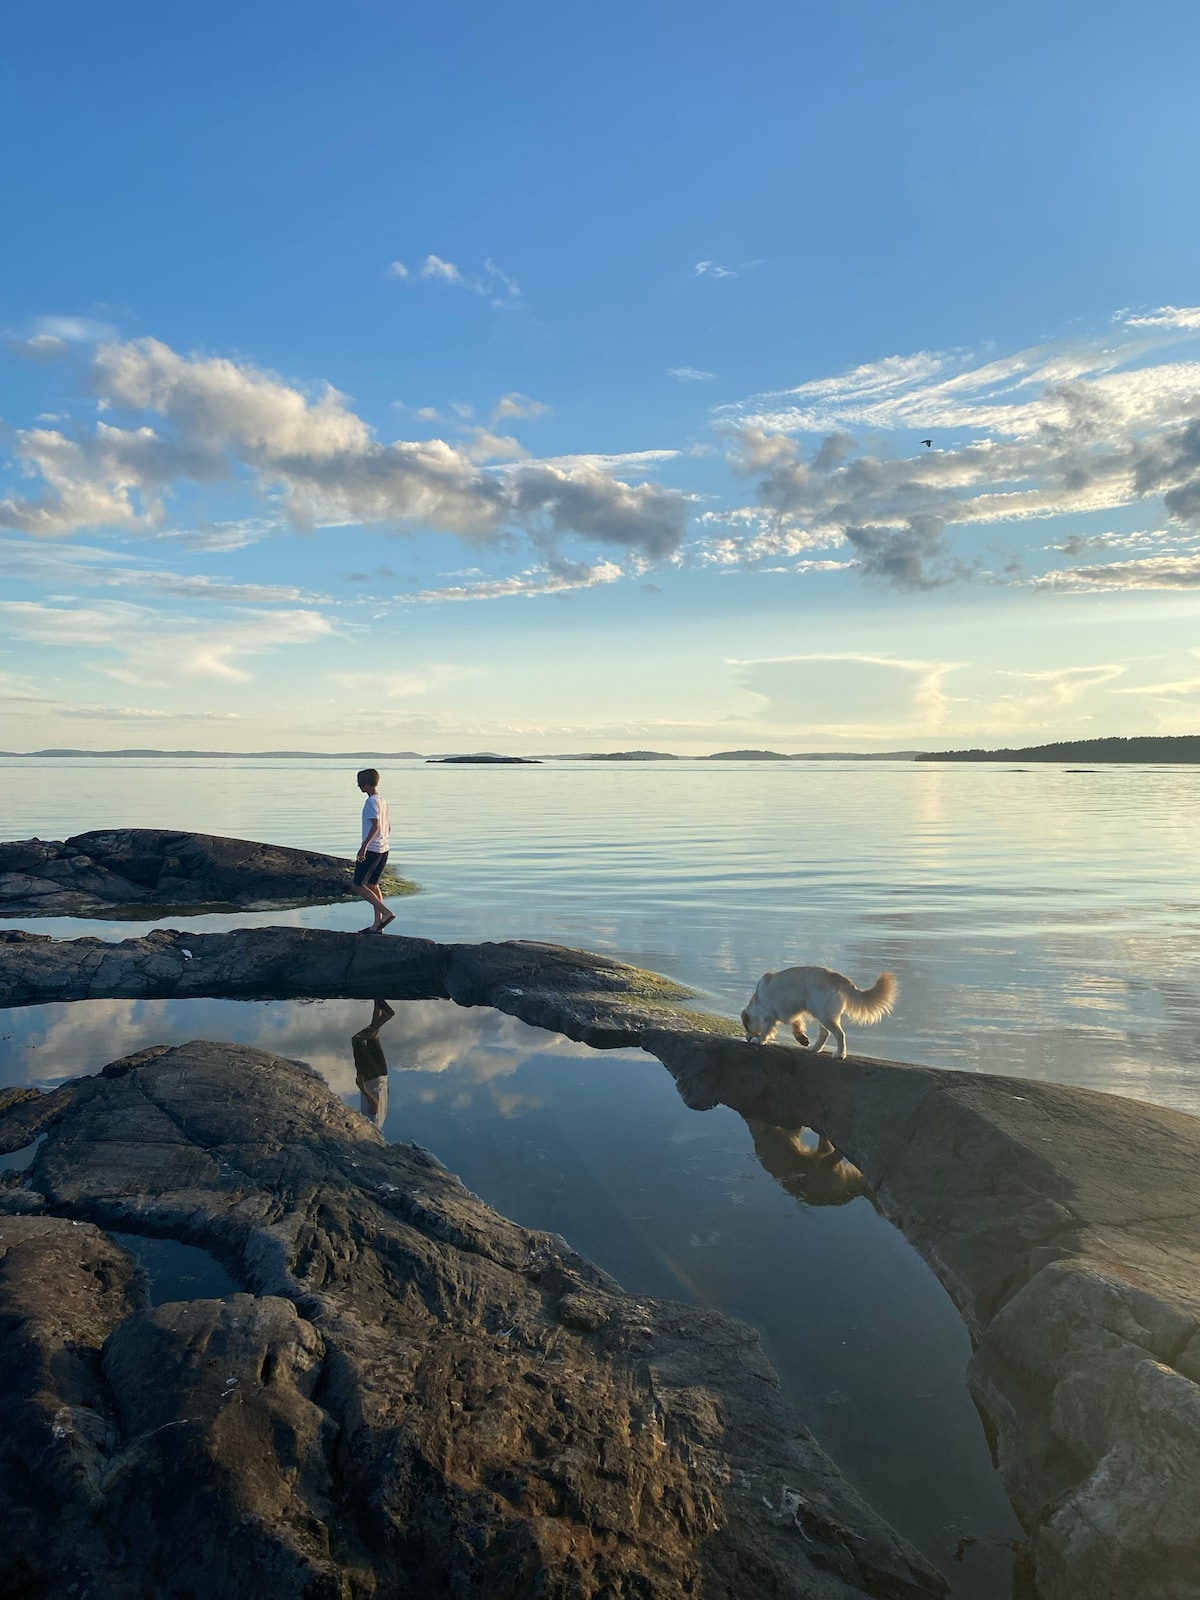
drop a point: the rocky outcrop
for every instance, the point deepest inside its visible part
(143, 872)
(589, 997)
(412, 1397)
(1063, 1222)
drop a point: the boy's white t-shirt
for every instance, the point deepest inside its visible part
(376, 808)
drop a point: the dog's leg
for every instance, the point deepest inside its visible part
(824, 1034)
(798, 1032)
(840, 1053)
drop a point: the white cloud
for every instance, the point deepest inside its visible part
(484, 445)
(712, 269)
(753, 536)
(518, 406)
(1180, 571)
(491, 281)
(216, 419)
(1165, 317)
(536, 581)
(690, 374)
(440, 271)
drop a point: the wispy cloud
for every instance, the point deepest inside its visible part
(712, 269)
(1052, 430)
(88, 566)
(150, 650)
(535, 581)
(514, 406)
(51, 337)
(691, 374)
(491, 281)
(1149, 572)
(1164, 317)
(849, 694)
(221, 537)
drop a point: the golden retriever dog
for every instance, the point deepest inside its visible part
(815, 992)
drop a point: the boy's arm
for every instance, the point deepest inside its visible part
(371, 832)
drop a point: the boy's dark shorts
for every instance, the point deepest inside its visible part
(370, 869)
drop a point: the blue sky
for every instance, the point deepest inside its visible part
(553, 378)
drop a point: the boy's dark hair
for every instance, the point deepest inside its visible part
(369, 778)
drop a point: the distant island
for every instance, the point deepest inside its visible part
(1166, 749)
(482, 761)
(236, 755)
(484, 757)
(814, 755)
(618, 755)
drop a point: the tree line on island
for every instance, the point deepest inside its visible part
(1161, 749)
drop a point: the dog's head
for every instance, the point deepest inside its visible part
(759, 1028)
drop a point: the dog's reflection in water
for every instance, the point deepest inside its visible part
(816, 1173)
(370, 1067)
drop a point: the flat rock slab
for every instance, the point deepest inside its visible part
(589, 997)
(412, 1397)
(140, 872)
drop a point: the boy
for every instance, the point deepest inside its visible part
(373, 852)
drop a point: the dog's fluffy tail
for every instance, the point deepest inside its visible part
(871, 1005)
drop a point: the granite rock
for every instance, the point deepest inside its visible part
(411, 1396)
(138, 872)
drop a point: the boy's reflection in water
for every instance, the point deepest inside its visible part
(817, 1174)
(370, 1068)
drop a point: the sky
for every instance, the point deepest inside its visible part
(552, 378)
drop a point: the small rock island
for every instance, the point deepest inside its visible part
(144, 872)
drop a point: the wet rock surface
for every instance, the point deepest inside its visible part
(411, 1398)
(140, 871)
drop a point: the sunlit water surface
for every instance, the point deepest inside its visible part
(1042, 923)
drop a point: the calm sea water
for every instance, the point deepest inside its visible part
(1042, 923)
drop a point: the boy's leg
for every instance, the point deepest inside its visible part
(369, 893)
(372, 866)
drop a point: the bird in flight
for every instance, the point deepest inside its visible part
(928, 443)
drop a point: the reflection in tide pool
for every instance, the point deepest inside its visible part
(768, 1224)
